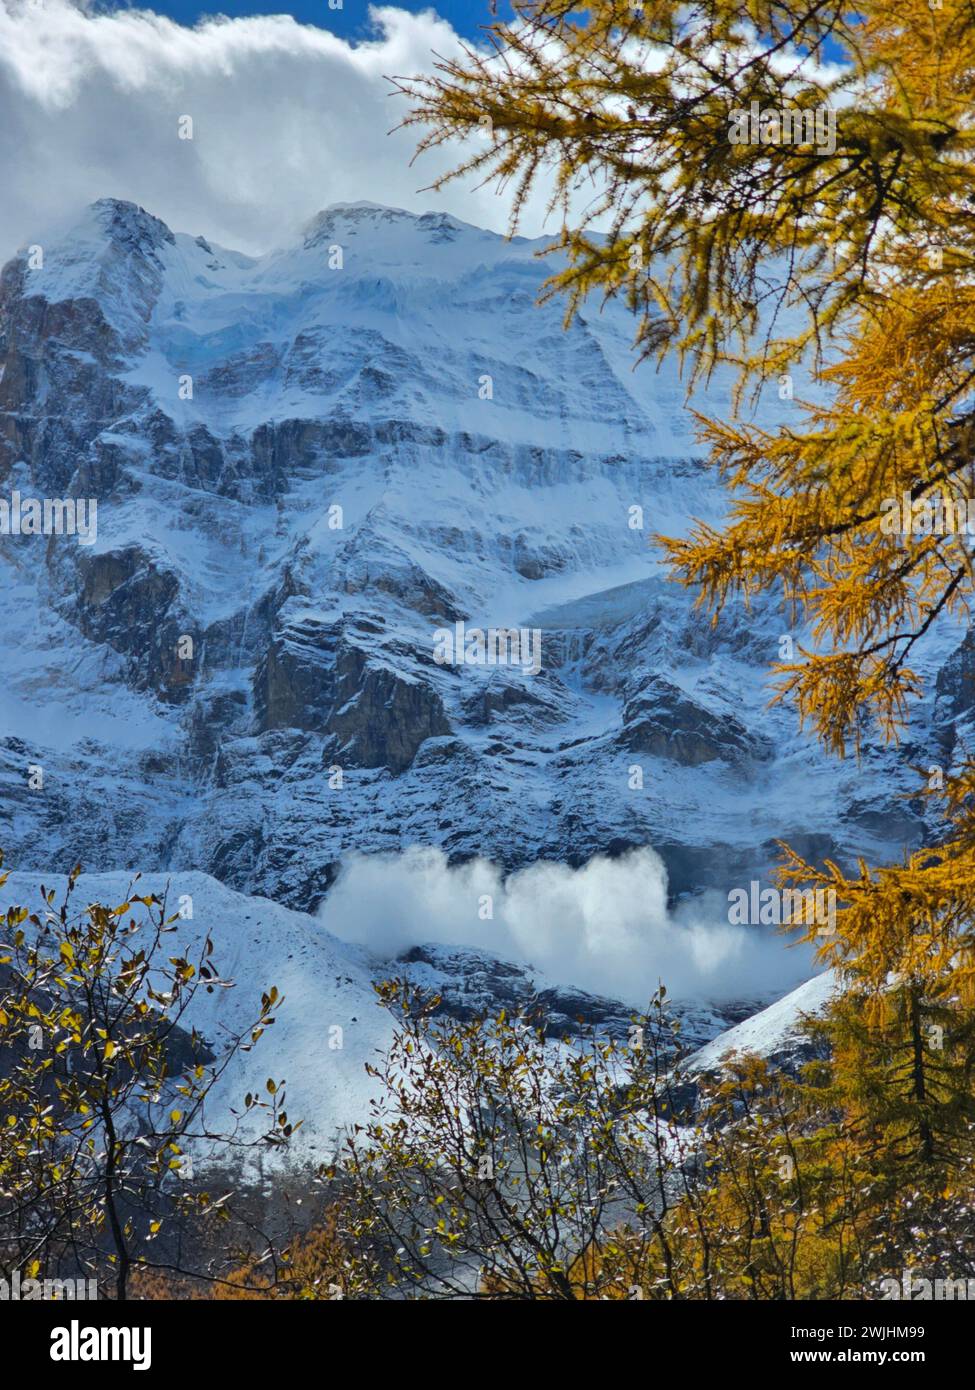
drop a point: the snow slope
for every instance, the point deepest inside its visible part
(329, 1023)
(325, 984)
(772, 1032)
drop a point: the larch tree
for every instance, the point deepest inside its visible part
(780, 185)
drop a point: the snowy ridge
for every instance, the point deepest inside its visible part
(775, 1031)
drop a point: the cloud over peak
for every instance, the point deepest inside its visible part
(285, 119)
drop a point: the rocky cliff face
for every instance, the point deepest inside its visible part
(305, 466)
(472, 985)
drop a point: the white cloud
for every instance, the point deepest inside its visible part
(287, 118)
(605, 927)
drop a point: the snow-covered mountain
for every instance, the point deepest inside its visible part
(308, 464)
(312, 630)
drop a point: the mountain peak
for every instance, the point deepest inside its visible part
(128, 223)
(350, 218)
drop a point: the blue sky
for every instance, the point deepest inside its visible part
(352, 21)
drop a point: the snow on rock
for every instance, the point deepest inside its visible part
(474, 985)
(307, 465)
(775, 1032)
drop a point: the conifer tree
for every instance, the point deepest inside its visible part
(851, 259)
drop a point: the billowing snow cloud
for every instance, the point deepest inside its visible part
(605, 927)
(286, 118)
